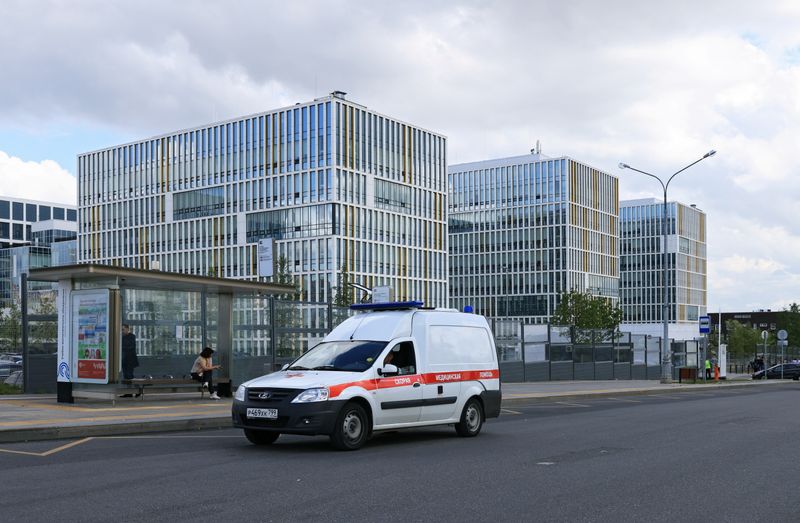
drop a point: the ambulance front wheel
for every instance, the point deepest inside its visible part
(352, 428)
(260, 437)
(471, 419)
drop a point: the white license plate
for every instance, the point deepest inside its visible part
(262, 413)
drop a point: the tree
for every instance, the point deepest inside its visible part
(283, 275)
(743, 341)
(11, 326)
(789, 320)
(584, 311)
(45, 331)
(344, 291)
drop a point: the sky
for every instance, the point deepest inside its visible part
(652, 84)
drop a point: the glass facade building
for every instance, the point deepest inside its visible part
(522, 230)
(641, 248)
(17, 215)
(336, 185)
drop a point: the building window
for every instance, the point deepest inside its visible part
(58, 213)
(44, 213)
(199, 203)
(5, 212)
(18, 208)
(17, 229)
(30, 212)
(72, 215)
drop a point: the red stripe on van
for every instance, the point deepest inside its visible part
(408, 381)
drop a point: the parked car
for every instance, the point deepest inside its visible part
(790, 371)
(15, 379)
(7, 367)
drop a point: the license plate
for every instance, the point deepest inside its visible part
(262, 413)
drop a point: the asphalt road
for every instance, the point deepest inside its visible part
(726, 455)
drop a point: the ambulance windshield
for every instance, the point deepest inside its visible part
(351, 356)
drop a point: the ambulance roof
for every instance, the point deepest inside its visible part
(388, 325)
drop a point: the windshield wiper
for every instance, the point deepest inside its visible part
(325, 367)
(298, 367)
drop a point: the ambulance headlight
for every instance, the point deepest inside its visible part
(241, 393)
(312, 395)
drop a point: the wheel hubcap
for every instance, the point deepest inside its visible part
(473, 418)
(352, 426)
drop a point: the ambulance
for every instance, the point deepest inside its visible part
(391, 366)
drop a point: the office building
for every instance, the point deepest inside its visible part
(17, 215)
(30, 232)
(525, 229)
(641, 240)
(337, 186)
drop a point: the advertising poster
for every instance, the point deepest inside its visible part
(90, 336)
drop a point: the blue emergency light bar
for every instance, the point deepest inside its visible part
(387, 306)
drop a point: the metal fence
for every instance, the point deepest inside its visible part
(553, 352)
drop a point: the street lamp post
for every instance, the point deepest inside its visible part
(666, 350)
(505, 269)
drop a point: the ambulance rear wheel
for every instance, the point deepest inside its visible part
(471, 419)
(260, 437)
(352, 428)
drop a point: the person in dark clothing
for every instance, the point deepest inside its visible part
(129, 359)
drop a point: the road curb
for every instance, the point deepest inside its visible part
(521, 401)
(112, 429)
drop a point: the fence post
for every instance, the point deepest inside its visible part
(273, 330)
(522, 348)
(26, 368)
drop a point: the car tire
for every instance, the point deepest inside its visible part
(261, 437)
(352, 428)
(471, 419)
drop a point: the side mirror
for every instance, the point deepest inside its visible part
(388, 370)
(285, 366)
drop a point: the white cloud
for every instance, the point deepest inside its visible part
(655, 85)
(44, 180)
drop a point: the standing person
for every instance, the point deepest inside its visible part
(203, 370)
(708, 369)
(129, 359)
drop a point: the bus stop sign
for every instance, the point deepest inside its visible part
(705, 324)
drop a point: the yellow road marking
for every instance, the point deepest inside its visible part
(65, 447)
(49, 452)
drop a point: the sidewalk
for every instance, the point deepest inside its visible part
(39, 417)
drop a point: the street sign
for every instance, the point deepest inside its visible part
(764, 335)
(782, 334)
(705, 324)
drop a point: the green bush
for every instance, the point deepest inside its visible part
(9, 389)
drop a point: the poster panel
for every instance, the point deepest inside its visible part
(265, 262)
(90, 336)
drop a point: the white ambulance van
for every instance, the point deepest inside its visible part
(392, 366)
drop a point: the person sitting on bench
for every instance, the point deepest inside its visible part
(202, 371)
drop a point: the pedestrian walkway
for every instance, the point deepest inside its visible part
(40, 417)
(520, 393)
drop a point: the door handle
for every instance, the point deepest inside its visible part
(417, 384)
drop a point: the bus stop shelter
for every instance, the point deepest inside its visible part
(173, 316)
